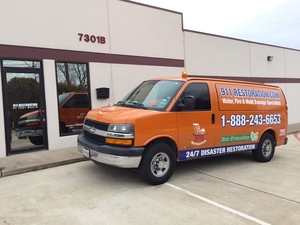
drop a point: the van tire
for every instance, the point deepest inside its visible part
(157, 164)
(38, 140)
(265, 150)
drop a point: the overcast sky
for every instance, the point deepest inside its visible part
(275, 22)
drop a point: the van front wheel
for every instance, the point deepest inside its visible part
(266, 149)
(38, 140)
(158, 163)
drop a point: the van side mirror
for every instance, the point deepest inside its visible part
(188, 103)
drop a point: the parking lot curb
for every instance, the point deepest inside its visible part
(23, 163)
(10, 172)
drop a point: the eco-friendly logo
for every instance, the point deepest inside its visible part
(254, 136)
(239, 137)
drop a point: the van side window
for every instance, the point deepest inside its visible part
(78, 101)
(201, 95)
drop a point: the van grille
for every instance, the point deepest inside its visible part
(94, 137)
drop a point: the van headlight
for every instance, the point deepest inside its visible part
(121, 128)
(120, 134)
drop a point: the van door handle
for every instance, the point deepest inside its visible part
(213, 118)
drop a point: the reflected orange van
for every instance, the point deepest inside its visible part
(166, 120)
(73, 107)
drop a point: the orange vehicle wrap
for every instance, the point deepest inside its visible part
(238, 115)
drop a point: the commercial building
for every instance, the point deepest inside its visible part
(104, 48)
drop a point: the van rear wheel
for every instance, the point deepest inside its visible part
(158, 163)
(265, 150)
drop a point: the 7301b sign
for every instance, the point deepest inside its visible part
(91, 38)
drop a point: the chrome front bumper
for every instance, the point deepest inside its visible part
(113, 160)
(21, 134)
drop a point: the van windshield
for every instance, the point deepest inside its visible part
(152, 94)
(62, 98)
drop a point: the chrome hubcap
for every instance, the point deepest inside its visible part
(160, 164)
(267, 148)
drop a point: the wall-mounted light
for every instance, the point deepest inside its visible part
(270, 58)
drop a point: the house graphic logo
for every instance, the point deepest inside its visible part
(199, 135)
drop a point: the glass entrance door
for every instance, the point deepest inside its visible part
(24, 106)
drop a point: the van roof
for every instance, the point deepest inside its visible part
(207, 78)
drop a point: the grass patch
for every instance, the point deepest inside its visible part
(1, 169)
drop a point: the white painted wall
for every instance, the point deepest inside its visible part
(54, 24)
(128, 28)
(145, 31)
(100, 76)
(261, 67)
(292, 70)
(54, 140)
(292, 94)
(292, 65)
(216, 56)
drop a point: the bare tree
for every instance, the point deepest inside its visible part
(72, 73)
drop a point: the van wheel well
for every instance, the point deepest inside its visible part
(265, 149)
(272, 132)
(167, 141)
(158, 162)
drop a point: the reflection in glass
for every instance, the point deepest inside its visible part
(21, 64)
(23, 91)
(71, 77)
(72, 91)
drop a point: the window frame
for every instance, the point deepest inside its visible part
(57, 92)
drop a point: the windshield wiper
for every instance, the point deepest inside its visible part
(136, 105)
(121, 103)
(131, 104)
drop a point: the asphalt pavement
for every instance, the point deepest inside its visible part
(32, 161)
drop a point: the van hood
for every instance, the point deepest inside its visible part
(33, 113)
(117, 114)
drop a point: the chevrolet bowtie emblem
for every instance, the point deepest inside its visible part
(92, 130)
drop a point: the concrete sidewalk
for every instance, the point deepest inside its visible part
(32, 161)
(26, 162)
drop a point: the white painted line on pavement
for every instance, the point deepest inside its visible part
(218, 205)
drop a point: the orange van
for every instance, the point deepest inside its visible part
(176, 119)
(73, 107)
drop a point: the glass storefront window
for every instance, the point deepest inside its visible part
(72, 91)
(24, 105)
(21, 64)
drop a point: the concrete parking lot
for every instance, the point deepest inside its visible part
(232, 189)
